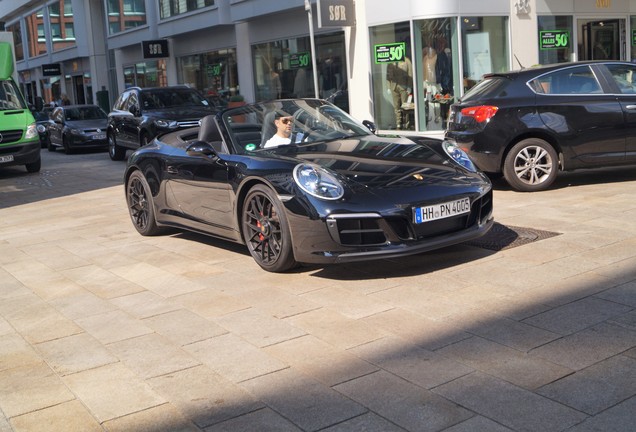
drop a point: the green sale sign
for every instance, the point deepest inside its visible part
(389, 53)
(554, 39)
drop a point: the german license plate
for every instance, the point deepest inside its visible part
(441, 211)
(4, 159)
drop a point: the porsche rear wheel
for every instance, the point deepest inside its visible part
(266, 230)
(531, 165)
(141, 205)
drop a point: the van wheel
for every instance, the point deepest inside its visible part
(34, 167)
(531, 165)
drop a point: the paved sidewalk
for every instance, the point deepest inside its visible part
(102, 329)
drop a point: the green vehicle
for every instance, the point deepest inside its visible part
(19, 139)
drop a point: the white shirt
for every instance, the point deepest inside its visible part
(277, 140)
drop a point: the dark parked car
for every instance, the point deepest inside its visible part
(140, 114)
(530, 124)
(340, 194)
(74, 127)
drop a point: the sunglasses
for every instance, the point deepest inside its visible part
(285, 120)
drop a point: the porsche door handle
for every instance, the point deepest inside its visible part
(630, 107)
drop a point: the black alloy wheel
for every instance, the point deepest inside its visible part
(266, 230)
(116, 152)
(140, 205)
(66, 145)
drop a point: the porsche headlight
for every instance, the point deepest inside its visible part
(41, 129)
(318, 182)
(166, 124)
(458, 155)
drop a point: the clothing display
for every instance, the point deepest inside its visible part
(399, 76)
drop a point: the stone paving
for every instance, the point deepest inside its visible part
(104, 330)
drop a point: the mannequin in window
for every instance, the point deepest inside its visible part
(429, 65)
(399, 76)
(444, 72)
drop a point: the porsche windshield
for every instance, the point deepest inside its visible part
(288, 122)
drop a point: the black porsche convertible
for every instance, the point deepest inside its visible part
(334, 192)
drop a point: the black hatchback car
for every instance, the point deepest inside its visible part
(529, 124)
(140, 114)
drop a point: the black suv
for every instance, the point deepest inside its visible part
(140, 114)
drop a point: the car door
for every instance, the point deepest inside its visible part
(584, 114)
(117, 117)
(623, 77)
(56, 126)
(199, 185)
(130, 121)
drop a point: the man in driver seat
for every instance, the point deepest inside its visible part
(283, 133)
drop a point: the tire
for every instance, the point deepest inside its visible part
(531, 165)
(116, 152)
(35, 166)
(266, 230)
(49, 145)
(67, 148)
(141, 206)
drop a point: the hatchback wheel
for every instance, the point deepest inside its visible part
(266, 230)
(531, 165)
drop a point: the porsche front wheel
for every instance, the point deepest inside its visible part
(266, 230)
(140, 205)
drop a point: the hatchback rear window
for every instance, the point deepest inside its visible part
(487, 88)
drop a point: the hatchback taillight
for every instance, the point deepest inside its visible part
(480, 113)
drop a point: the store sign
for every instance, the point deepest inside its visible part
(336, 13)
(155, 48)
(554, 39)
(300, 60)
(390, 53)
(53, 69)
(213, 70)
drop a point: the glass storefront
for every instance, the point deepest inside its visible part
(213, 73)
(416, 93)
(283, 69)
(146, 74)
(555, 39)
(61, 22)
(125, 14)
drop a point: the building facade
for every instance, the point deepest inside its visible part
(398, 63)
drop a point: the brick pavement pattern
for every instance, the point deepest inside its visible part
(104, 330)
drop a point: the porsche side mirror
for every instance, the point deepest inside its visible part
(201, 148)
(370, 125)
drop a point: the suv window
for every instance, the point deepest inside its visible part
(120, 103)
(171, 97)
(576, 80)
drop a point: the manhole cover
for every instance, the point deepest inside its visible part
(502, 237)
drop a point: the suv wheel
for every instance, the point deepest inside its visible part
(115, 151)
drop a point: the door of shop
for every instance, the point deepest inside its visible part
(602, 39)
(78, 83)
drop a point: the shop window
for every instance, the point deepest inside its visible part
(125, 14)
(214, 74)
(283, 69)
(146, 74)
(437, 70)
(555, 39)
(485, 47)
(392, 76)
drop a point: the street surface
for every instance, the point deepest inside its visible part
(103, 329)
